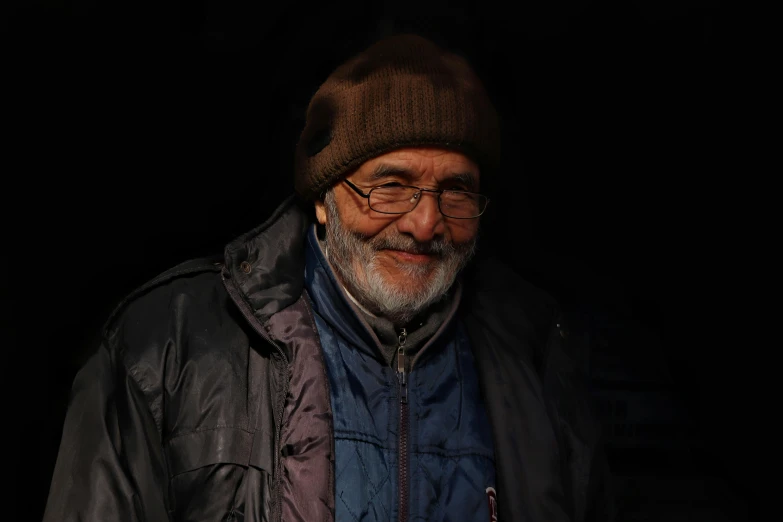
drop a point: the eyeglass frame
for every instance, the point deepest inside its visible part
(418, 198)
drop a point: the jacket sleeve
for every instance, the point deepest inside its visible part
(110, 465)
(567, 379)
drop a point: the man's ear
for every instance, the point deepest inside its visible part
(320, 211)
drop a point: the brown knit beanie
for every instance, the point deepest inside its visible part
(403, 91)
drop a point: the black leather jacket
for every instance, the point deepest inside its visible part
(178, 414)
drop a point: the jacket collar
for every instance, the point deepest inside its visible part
(266, 264)
(273, 263)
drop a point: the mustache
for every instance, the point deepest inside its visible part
(437, 247)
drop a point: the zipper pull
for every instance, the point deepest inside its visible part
(401, 365)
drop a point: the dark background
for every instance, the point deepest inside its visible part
(146, 133)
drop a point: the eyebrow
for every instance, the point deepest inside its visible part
(466, 178)
(384, 171)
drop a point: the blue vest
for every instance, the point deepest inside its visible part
(440, 434)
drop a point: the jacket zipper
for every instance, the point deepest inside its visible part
(402, 457)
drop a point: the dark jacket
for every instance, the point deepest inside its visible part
(179, 414)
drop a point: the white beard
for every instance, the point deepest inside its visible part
(355, 259)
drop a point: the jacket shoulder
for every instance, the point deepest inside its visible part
(183, 274)
(515, 310)
(180, 332)
(495, 281)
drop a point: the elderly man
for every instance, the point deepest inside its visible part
(345, 360)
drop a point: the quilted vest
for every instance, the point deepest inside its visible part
(414, 445)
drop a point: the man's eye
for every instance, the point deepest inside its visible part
(391, 184)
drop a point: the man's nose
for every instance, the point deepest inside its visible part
(425, 221)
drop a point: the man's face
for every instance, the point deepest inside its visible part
(397, 265)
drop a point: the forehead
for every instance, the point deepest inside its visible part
(420, 162)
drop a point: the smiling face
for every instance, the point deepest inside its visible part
(397, 265)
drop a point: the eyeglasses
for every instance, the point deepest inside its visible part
(400, 199)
